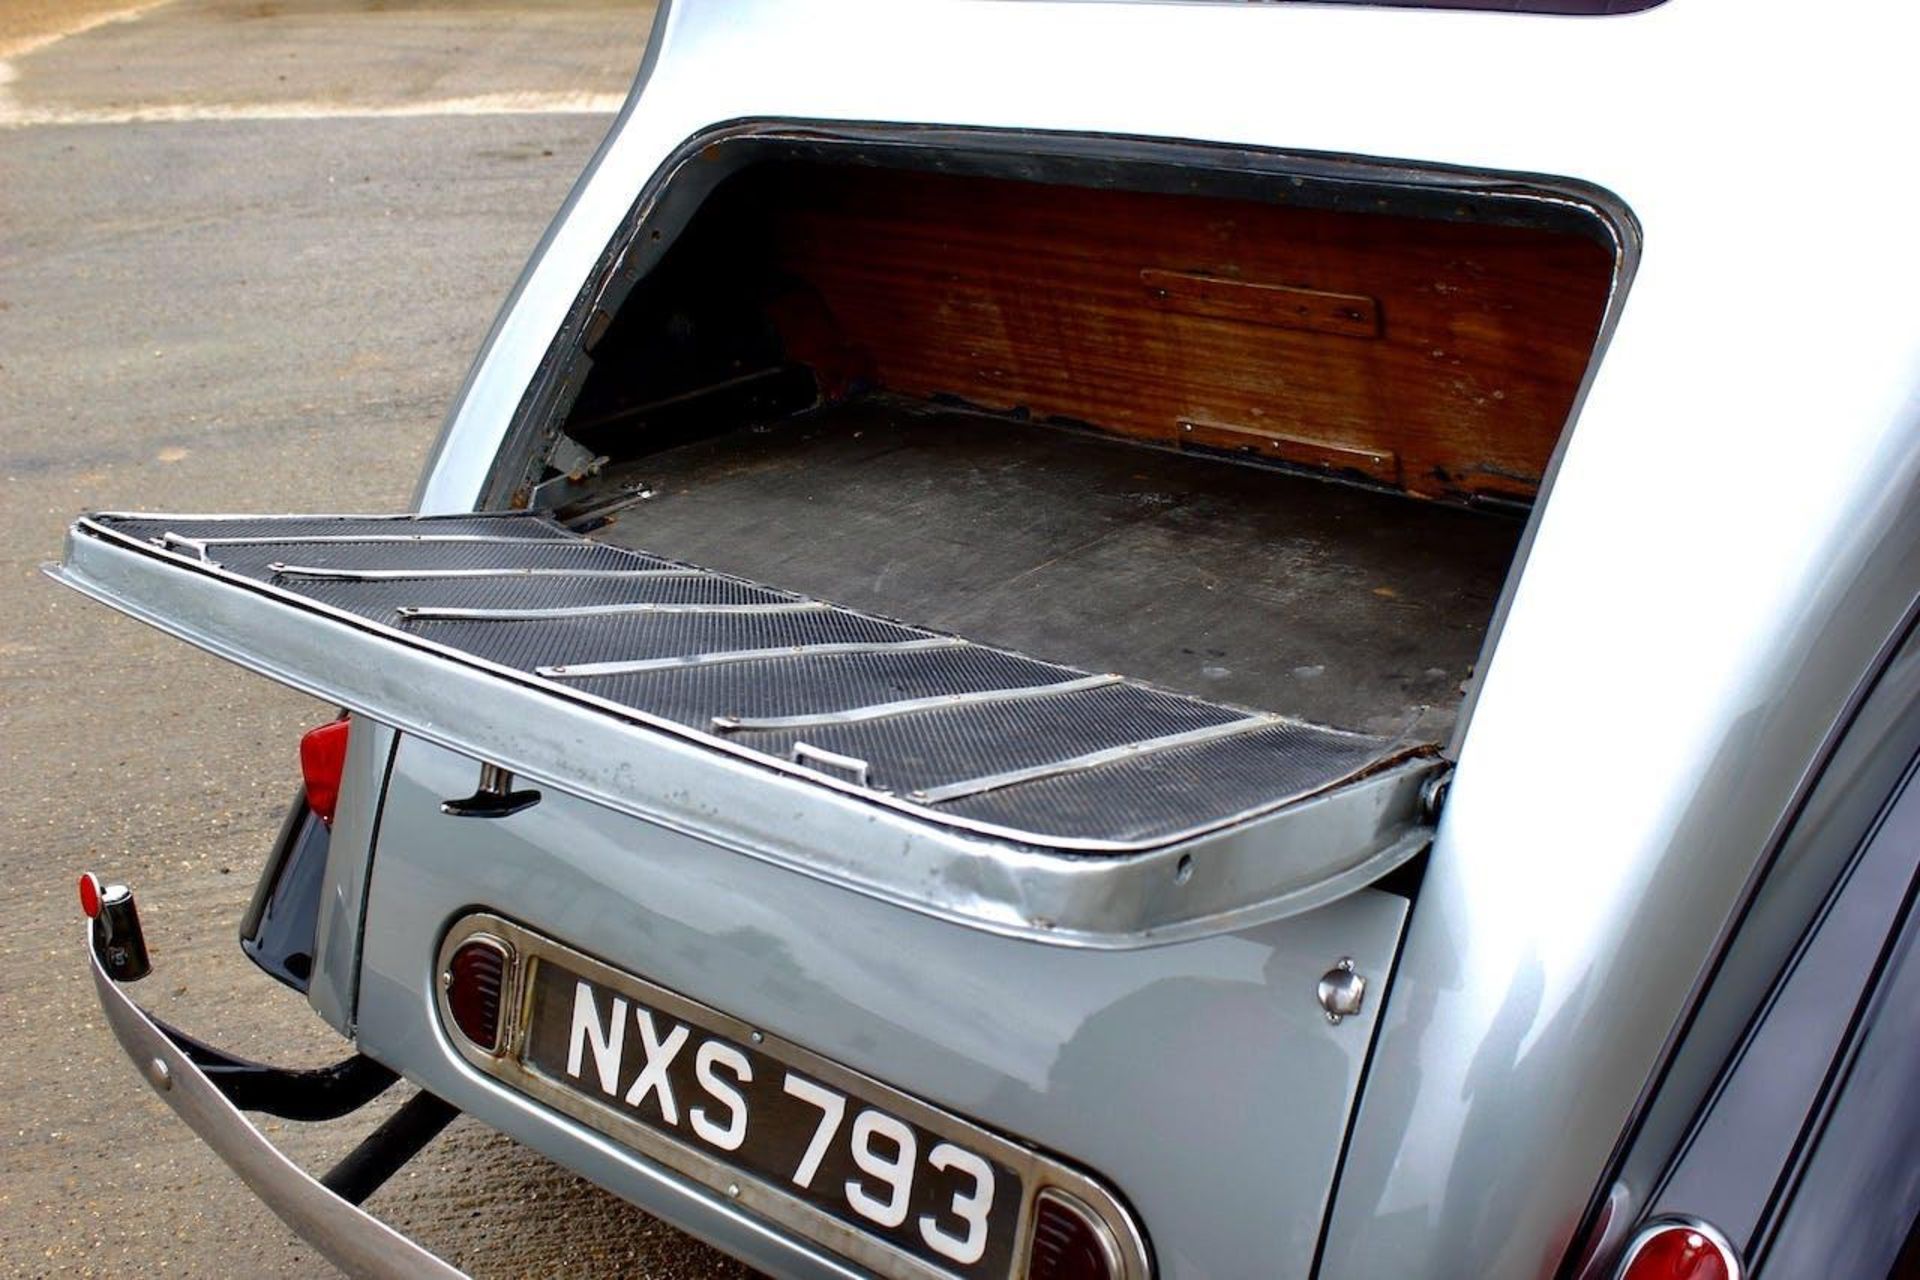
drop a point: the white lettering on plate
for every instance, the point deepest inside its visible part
(883, 1148)
(713, 1054)
(895, 1170)
(832, 1108)
(660, 1055)
(605, 1040)
(971, 1208)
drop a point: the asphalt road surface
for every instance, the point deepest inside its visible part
(246, 252)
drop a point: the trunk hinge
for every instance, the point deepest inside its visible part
(576, 464)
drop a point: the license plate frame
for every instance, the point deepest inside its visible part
(525, 1060)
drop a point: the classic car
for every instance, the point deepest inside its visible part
(1070, 640)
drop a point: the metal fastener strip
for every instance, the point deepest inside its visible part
(590, 670)
(320, 573)
(434, 613)
(907, 706)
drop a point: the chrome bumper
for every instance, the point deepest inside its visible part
(352, 1239)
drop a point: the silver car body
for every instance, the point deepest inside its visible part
(1729, 540)
(1668, 666)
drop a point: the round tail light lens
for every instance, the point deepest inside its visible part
(1679, 1250)
(476, 981)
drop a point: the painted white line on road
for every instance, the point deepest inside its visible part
(17, 115)
(127, 12)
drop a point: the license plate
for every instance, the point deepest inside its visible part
(894, 1183)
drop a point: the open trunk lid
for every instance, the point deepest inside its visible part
(964, 780)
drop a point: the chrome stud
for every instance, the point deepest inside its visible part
(1342, 991)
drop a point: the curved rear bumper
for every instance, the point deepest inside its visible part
(349, 1237)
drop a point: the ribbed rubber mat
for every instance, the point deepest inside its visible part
(1139, 799)
(962, 732)
(627, 637)
(938, 747)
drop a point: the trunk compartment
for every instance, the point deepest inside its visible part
(1248, 437)
(1094, 549)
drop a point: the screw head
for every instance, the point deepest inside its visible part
(158, 1075)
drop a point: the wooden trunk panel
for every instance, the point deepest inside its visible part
(1453, 350)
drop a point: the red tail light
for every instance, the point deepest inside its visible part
(323, 758)
(1069, 1242)
(1679, 1250)
(476, 980)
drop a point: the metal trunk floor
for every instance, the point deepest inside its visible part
(1235, 583)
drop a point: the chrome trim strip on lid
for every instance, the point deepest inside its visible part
(321, 573)
(559, 539)
(435, 613)
(907, 706)
(589, 670)
(1093, 759)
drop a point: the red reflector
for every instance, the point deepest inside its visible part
(476, 979)
(1069, 1243)
(89, 894)
(323, 758)
(1679, 1251)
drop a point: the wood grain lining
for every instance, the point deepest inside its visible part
(1454, 350)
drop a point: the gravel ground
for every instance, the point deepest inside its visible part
(264, 303)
